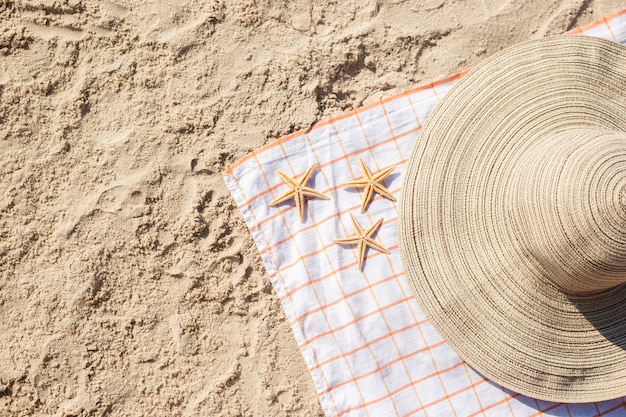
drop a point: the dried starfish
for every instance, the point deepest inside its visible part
(298, 191)
(371, 183)
(362, 238)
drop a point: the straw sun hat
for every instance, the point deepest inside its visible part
(512, 224)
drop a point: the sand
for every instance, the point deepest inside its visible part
(129, 284)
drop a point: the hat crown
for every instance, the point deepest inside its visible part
(572, 209)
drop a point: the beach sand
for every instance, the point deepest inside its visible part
(129, 284)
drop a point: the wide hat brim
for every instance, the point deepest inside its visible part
(460, 239)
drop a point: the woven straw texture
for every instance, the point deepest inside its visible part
(512, 222)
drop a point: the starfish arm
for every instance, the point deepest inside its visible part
(348, 240)
(310, 192)
(362, 248)
(357, 226)
(299, 199)
(373, 244)
(287, 196)
(358, 183)
(380, 176)
(366, 172)
(306, 175)
(370, 231)
(366, 197)
(384, 192)
(287, 180)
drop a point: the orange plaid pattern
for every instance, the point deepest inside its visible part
(369, 348)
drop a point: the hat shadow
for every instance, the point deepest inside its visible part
(549, 408)
(606, 312)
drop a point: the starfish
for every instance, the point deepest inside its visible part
(298, 191)
(371, 183)
(363, 239)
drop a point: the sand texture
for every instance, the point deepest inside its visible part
(129, 284)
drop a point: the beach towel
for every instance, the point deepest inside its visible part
(368, 347)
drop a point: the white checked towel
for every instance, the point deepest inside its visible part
(368, 346)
